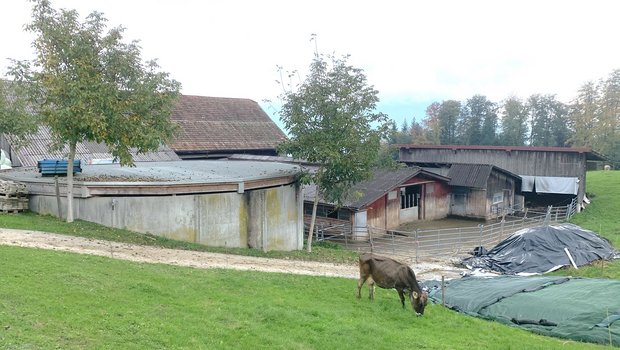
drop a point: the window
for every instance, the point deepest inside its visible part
(498, 197)
(409, 197)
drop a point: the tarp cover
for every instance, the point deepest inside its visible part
(550, 184)
(541, 249)
(581, 309)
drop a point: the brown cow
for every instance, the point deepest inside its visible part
(389, 273)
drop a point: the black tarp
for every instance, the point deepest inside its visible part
(541, 249)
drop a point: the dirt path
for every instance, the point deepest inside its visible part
(203, 260)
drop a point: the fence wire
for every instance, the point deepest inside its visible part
(439, 244)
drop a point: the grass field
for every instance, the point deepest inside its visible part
(55, 300)
(51, 300)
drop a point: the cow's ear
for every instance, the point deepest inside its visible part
(415, 295)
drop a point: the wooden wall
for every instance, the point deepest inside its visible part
(520, 162)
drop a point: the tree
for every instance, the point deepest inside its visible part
(331, 120)
(431, 124)
(514, 122)
(584, 116)
(447, 116)
(15, 119)
(489, 123)
(87, 85)
(608, 130)
(549, 121)
(477, 122)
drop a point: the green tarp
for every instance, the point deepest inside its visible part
(581, 309)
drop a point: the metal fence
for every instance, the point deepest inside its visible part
(440, 244)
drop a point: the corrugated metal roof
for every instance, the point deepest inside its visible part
(40, 142)
(469, 175)
(223, 124)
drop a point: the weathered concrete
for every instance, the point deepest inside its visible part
(215, 210)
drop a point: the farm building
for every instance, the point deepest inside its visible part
(482, 191)
(210, 127)
(215, 127)
(389, 199)
(39, 144)
(215, 203)
(551, 175)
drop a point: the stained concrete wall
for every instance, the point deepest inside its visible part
(267, 219)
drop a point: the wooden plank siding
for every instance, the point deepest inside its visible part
(530, 161)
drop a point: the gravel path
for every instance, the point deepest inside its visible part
(203, 260)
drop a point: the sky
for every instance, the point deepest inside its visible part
(412, 52)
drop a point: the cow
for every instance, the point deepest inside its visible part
(389, 273)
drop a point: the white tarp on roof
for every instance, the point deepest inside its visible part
(550, 184)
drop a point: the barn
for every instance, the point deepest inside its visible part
(551, 175)
(175, 191)
(389, 199)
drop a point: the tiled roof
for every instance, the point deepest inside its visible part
(223, 124)
(40, 142)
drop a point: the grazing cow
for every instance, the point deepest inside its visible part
(389, 273)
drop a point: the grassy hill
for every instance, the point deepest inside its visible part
(60, 300)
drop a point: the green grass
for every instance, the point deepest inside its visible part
(30, 221)
(60, 300)
(52, 300)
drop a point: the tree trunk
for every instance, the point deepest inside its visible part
(70, 159)
(313, 219)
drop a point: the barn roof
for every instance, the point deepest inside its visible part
(38, 148)
(382, 182)
(223, 124)
(590, 154)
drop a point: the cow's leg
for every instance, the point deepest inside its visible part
(371, 289)
(401, 294)
(360, 283)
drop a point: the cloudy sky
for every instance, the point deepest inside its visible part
(413, 52)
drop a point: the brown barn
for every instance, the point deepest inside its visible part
(560, 172)
(389, 199)
(482, 191)
(215, 127)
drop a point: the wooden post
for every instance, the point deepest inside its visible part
(58, 197)
(443, 291)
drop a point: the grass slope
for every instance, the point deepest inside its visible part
(61, 300)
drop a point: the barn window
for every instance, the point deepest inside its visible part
(498, 197)
(409, 197)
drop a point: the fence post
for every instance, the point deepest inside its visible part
(370, 238)
(501, 232)
(346, 241)
(480, 226)
(548, 216)
(417, 245)
(393, 243)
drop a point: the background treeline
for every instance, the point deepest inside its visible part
(591, 119)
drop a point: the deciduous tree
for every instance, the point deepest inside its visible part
(87, 84)
(514, 122)
(331, 119)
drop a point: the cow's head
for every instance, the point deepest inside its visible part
(419, 301)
